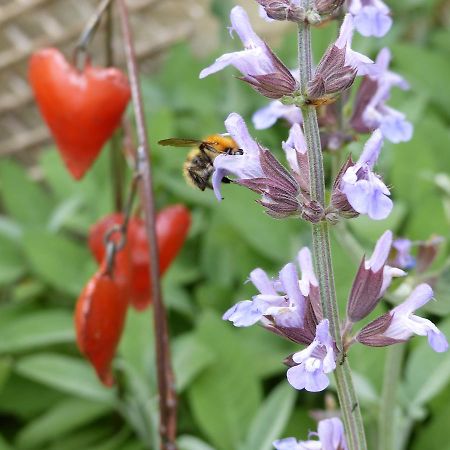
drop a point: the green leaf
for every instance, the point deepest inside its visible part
(65, 373)
(192, 443)
(226, 396)
(23, 199)
(275, 239)
(271, 418)
(57, 260)
(5, 370)
(3, 444)
(25, 399)
(427, 372)
(137, 344)
(370, 230)
(427, 70)
(64, 417)
(190, 357)
(35, 330)
(12, 261)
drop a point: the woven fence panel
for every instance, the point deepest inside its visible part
(28, 25)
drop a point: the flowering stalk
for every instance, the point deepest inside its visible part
(321, 248)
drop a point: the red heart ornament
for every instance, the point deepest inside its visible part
(82, 109)
(99, 320)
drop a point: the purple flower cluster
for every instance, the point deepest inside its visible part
(290, 307)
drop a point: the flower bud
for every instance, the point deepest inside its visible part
(283, 10)
(326, 7)
(276, 84)
(331, 77)
(339, 200)
(365, 292)
(427, 253)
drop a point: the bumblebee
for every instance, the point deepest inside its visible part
(198, 167)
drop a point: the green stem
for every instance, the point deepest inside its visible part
(349, 404)
(386, 419)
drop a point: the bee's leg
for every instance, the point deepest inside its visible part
(226, 180)
(199, 181)
(231, 151)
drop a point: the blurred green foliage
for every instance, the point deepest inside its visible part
(231, 382)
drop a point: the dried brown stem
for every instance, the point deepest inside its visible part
(167, 395)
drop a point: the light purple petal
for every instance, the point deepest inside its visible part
(380, 206)
(331, 434)
(262, 282)
(306, 266)
(238, 130)
(372, 149)
(396, 129)
(289, 279)
(243, 314)
(241, 24)
(419, 297)
(369, 197)
(372, 22)
(286, 444)
(403, 258)
(381, 252)
(389, 273)
(267, 116)
(437, 340)
(313, 381)
(345, 33)
(246, 61)
(216, 180)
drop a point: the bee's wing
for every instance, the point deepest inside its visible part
(178, 142)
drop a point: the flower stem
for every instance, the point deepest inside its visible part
(166, 385)
(322, 252)
(386, 419)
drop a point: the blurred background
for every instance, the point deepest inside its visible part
(231, 382)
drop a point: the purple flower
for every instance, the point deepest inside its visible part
(371, 111)
(372, 279)
(378, 261)
(314, 362)
(331, 437)
(365, 191)
(361, 63)
(242, 166)
(401, 324)
(257, 63)
(281, 299)
(267, 116)
(371, 17)
(297, 157)
(403, 258)
(405, 324)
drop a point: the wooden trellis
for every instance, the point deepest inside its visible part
(27, 25)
